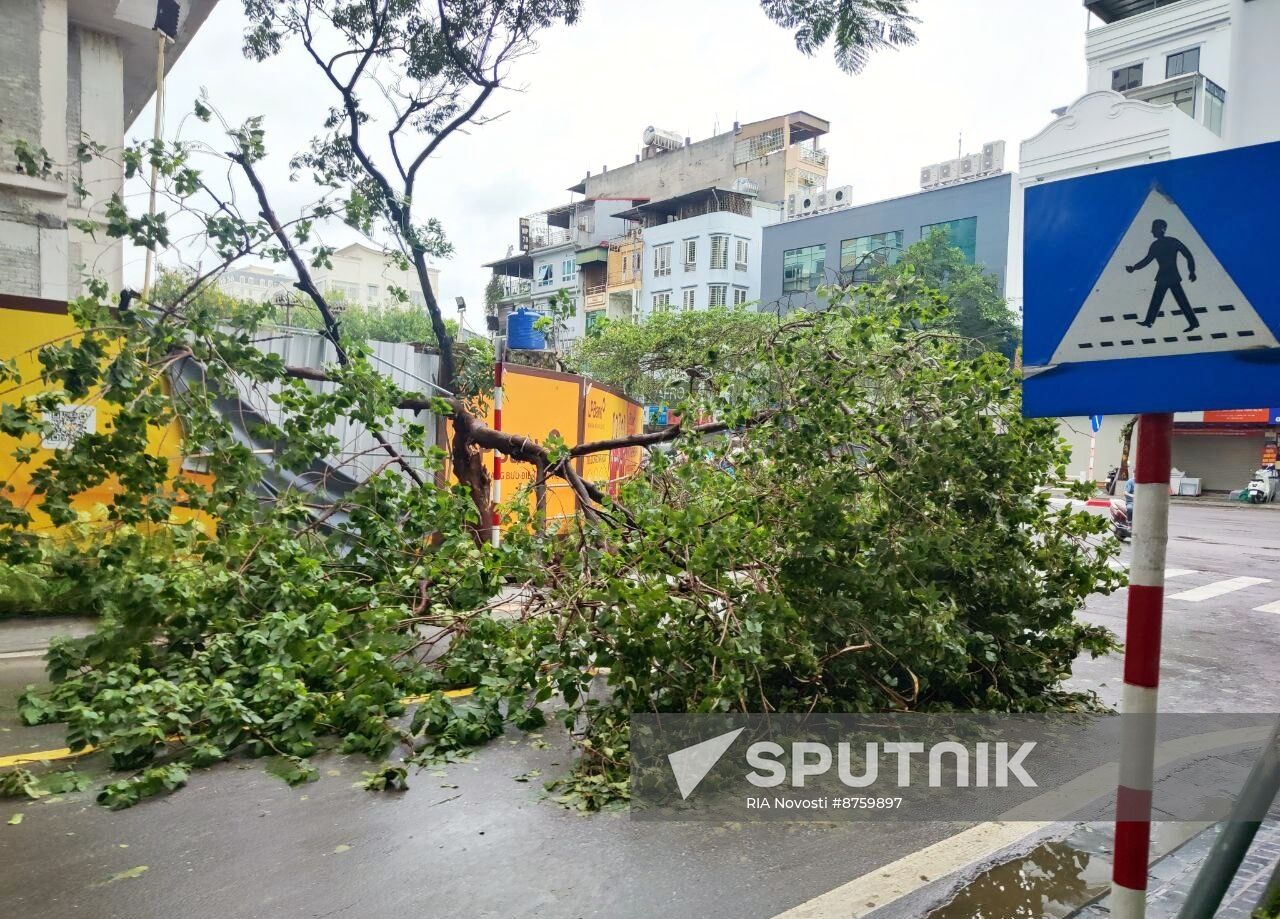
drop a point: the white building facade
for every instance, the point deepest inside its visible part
(364, 276)
(702, 260)
(1168, 78)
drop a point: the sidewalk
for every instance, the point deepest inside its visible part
(1170, 879)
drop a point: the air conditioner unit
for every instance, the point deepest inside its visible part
(928, 176)
(807, 203)
(992, 157)
(841, 196)
(791, 205)
(947, 171)
(821, 199)
(968, 167)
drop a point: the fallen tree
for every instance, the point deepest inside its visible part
(858, 528)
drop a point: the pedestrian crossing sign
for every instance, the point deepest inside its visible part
(1154, 288)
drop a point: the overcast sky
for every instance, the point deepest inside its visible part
(990, 69)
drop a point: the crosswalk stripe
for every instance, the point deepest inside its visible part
(1268, 608)
(1178, 572)
(1218, 588)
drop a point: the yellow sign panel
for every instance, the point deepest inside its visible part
(28, 325)
(606, 416)
(543, 403)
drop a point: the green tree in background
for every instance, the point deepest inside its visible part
(973, 305)
(672, 355)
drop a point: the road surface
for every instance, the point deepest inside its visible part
(477, 843)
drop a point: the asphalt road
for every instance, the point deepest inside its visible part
(477, 843)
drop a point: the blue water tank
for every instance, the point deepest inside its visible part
(521, 334)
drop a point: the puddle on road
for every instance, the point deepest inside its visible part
(1050, 882)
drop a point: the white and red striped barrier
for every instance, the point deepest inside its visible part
(495, 494)
(1142, 666)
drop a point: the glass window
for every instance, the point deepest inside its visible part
(740, 255)
(546, 276)
(1126, 78)
(802, 269)
(961, 234)
(739, 296)
(1184, 99)
(372, 290)
(858, 256)
(662, 261)
(688, 298)
(1182, 62)
(594, 318)
(716, 295)
(719, 251)
(1215, 103)
(568, 269)
(690, 254)
(661, 300)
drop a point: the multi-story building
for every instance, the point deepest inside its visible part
(254, 282)
(780, 156)
(71, 70)
(841, 245)
(673, 180)
(700, 249)
(1169, 78)
(554, 245)
(365, 276)
(358, 275)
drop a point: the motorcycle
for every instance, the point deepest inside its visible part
(1264, 485)
(1112, 474)
(1121, 524)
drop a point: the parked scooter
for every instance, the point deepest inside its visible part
(1121, 519)
(1264, 485)
(1112, 474)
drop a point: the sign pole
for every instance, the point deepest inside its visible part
(1142, 666)
(495, 533)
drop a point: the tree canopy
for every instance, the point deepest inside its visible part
(673, 355)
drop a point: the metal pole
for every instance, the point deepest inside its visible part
(1142, 666)
(495, 499)
(156, 136)
(1093, 448)
(1232, 844)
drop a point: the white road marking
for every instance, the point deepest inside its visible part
(911, 872)
(1178, 572)
(1268, 608)
(1218, 588)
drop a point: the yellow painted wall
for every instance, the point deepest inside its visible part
(22, 333)
(537, 403)
(607, 416)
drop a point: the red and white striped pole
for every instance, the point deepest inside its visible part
(1142, 667)
(495, 496)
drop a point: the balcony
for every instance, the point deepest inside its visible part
(1193, 93)
(814, 155)
(1110, 11)
(595, 298)
(515, 288)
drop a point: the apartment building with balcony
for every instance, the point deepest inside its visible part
(558, 248)
(697, 250)
(780, 156)
(766, 161)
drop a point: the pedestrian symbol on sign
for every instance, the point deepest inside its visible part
(1119, 317)
(1164, 252)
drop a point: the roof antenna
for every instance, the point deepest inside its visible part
(960, 146)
